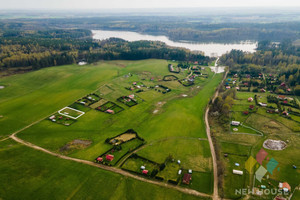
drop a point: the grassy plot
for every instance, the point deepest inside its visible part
(21, 102)
(31, 174)
(193, 153)
(134, 163)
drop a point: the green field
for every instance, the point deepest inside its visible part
(30, 174)
(177, 128)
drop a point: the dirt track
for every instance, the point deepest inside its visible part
(212, 149)
(111, 169)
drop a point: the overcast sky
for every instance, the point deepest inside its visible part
(103, 4)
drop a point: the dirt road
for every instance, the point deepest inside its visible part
(212, 149)
(111, 169)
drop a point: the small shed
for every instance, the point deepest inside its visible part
(180, 171)
(143, 167)
(190, 171)
(187, 178)
(145, 172)
(235, 123)
(99, 159)
(178, 161)
(237, 172)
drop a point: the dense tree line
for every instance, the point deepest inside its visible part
(275, 58)
(39, 49)
(200, 29)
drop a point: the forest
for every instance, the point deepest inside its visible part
(44, 48)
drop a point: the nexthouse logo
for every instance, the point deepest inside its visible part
(260, 173)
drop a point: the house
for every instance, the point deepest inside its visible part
(288, 89)
(263, 104)
(251, 107)
(145, 171)
(235, 123)
(228, 87)
(82, 63)
(134, 83)
(250, 99)
(246, 112)
(281, 97)
(246, 84)
(285, 113)
(110, 111)
(237, 88)
(99, 159)
(283, 84)
(285, 187)
(285, 101)
(109, 157)
(187, 178)
(131, 96)
(237, 172)
(262, 90)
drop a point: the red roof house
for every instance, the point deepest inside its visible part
(251, 107)
(281, 97)
(110, 111)
(109, 157)
(145, 172)
(187, 178)
(99, 159)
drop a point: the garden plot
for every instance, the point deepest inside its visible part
(171, 171)
(110, 107)
(61, 119)
(89, 99)
(161, 88)
(71, 112)
(117, 152)
(137, 164)
(124, 137)
(128, 100)
(170, 78)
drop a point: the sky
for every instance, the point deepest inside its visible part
(119, 4)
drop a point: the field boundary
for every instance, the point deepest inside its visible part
(82, 113)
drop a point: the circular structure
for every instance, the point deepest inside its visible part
(274, 144)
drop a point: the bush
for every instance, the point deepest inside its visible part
(162, 166)
(154, 172)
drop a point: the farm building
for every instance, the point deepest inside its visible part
(238, 172)
(187, 178)
(235, 123)
(109, 157)
(285, 187)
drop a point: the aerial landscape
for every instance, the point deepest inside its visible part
(150, 100)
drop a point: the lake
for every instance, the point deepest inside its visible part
(209, 49)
